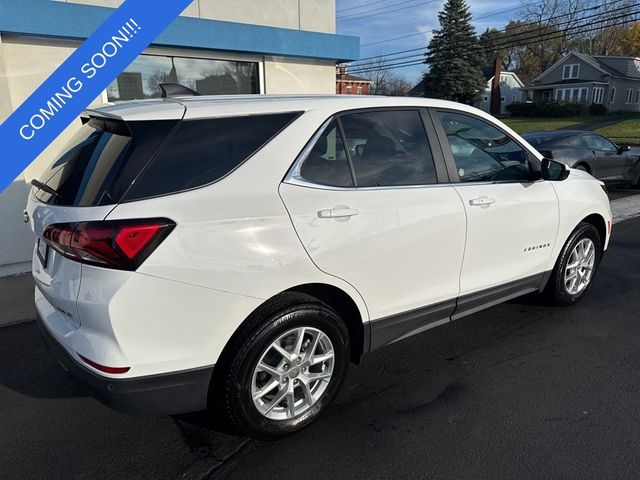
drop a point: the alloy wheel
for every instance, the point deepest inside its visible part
(579, 269)
(293, 373)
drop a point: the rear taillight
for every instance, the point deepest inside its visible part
(120, 244)
(104, 368)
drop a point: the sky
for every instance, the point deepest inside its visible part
(374, 21)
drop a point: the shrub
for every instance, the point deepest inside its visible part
(545, 109)
(597, 109)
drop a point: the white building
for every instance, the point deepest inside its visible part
(216, 47)
(510, 92)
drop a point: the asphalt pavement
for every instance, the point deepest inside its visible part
(520, 391)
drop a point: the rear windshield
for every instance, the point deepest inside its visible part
(101, 160)
(109, 161)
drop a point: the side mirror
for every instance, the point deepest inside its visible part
(359, 150)
(623, 148)
(554, 171)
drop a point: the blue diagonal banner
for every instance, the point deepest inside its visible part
(79, 80)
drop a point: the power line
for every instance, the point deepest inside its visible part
(358, 17)
(537, 22)
(360, 6)
(501, 41)
(551, 36)
(525, 36)
(391, 5)
(429, 31)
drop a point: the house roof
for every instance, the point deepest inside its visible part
(504, 72)
(594, 61)
(597, 63)
(418, 90)
(345, 77)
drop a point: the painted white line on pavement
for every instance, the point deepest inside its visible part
(625, 208)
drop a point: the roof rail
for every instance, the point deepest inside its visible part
(176, 90)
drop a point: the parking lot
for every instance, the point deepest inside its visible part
(518, 391)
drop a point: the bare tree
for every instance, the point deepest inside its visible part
(379, 73)
(384, 81)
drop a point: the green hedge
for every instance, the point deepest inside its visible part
(551, 109)
(597, 109)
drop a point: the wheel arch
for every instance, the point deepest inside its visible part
(584, 164)
(330, 295)
(348, 310)
(599, 223)
(595, 219)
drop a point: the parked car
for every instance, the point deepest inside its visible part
(237, 252)
(590, 152)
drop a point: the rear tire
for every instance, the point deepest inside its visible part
(576, 266)
(582, 168)
(274, 357)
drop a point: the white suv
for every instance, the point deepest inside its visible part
(237, 252)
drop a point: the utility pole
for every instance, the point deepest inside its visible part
(496, 94)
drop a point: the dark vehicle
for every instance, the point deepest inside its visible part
(590, 152)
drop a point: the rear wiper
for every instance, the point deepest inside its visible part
(45, 188)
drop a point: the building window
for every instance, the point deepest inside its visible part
(502, 99)
(141, 79)
(598, 94)
(349, 87)
(612, 98)
(570, 71)
(629, 96)
(514, 98)
(638, 96)
(359, 90)
(573, 95)
(485, 99)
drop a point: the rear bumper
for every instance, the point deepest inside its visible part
(164, 394)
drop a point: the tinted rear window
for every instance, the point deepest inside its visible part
(201, 152)
(101, 160)
(109, 161)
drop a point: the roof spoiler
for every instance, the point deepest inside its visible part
(176, 90)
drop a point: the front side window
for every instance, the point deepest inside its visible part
(326, 163)
(601, 144)
(388, 148)
(206, 76)
(482, 152)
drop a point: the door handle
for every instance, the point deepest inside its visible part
(337, 212)
(481, 201)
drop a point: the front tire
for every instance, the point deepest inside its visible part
(289, 363)
(576, 266)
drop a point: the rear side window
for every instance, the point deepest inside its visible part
(327, 163)
(389, 148)
(203, 151)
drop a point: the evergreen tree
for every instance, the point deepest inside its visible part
(454, 58)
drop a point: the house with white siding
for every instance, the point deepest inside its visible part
(510, 92)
